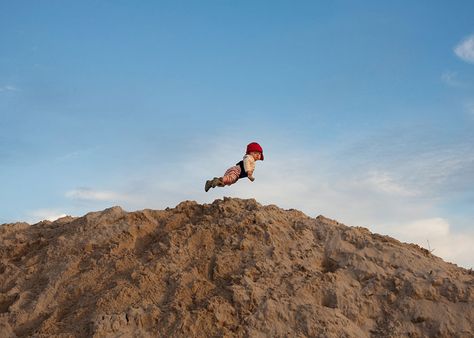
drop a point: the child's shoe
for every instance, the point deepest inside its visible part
(208, 185)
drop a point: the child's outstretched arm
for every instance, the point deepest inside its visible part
(249, 166)
(250, 175)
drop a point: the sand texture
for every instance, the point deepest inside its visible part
(233, 268)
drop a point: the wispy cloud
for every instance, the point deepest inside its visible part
(385, 182)
(8, 88)
(77, 154)
(451, 79)
(465, 49)
(87, 194)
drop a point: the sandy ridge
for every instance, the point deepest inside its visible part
(233, 268)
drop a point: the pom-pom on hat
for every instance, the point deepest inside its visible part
(254, 146)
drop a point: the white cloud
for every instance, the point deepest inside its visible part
(436, 235)
(44, 214)
(465, 49)
(87, 194)
(421, 229)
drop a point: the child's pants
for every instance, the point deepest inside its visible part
(231, 175)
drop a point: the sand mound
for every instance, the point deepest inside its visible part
(232, 268)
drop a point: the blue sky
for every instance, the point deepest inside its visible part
(365, 110)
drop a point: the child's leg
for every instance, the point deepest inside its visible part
(231, 175)
(215, 182)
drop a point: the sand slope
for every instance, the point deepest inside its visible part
(233, 268)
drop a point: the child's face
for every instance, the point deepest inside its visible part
(256, 155)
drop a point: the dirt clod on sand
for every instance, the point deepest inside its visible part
(233, 268)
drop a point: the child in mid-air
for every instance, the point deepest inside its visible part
(242, 169)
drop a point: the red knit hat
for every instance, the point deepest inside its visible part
(254, 146)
